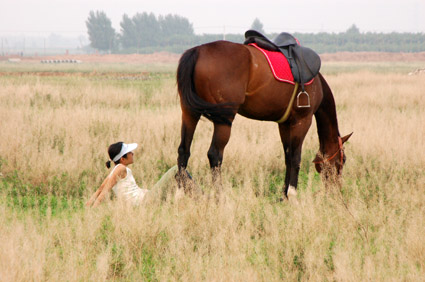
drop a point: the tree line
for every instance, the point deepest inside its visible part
(142, 33)
(147, 33)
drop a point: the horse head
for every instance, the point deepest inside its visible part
(335, 160)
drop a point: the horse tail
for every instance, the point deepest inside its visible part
(217, 113)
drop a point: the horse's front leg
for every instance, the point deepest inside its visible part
(215, 153)
(189, 122)
(292, 135)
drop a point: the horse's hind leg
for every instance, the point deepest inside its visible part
(215, 153)
(189, 122)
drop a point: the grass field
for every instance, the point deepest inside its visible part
(57, 122)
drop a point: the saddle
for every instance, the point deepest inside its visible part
(304, 62)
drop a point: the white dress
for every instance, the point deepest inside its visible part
(127, 189)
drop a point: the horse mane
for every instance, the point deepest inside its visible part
(325, 115)
(217, 113)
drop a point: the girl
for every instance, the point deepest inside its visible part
(121, 180)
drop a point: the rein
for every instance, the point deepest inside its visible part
(288, 109)
(340, 150)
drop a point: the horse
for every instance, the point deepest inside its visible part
(220, 79)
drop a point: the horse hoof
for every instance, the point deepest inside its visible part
(292, 194)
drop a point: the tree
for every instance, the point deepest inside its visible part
(147, 29)
(142, 30)
(175, 25)
(101, 33)
(257, 25)
(175, 30)
(353, 30)
(128, 36)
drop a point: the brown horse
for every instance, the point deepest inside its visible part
(220, 79)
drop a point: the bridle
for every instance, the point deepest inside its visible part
(340, 150)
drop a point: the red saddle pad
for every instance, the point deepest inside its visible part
(279, 65)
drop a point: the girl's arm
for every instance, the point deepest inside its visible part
(108, 183)
(96, 194)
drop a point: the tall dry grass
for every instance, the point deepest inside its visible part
(54, 134)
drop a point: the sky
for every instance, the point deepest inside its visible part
(67, 17)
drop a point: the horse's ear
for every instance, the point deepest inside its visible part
(346, 137)
(318, 159)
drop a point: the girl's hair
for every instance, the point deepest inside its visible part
(113, 150)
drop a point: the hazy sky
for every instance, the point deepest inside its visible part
(67, 17)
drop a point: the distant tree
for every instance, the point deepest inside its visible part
(144, 31)
(257, 25)
(175, 25)
(128, 36)
(101, 34)
(175, 30)
(353, 30)
(147, 29)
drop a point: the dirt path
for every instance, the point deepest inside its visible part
(164, 57)
(161, 57)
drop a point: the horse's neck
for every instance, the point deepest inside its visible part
(327, 124)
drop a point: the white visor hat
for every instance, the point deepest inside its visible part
(124, 150)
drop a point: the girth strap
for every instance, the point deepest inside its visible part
(288, 109)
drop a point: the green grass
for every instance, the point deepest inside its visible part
(51, 198)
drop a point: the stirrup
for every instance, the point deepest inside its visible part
(308, 100)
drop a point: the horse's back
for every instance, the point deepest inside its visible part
(227, 72)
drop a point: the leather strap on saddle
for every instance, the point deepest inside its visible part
(304, 62)
(289, 108)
